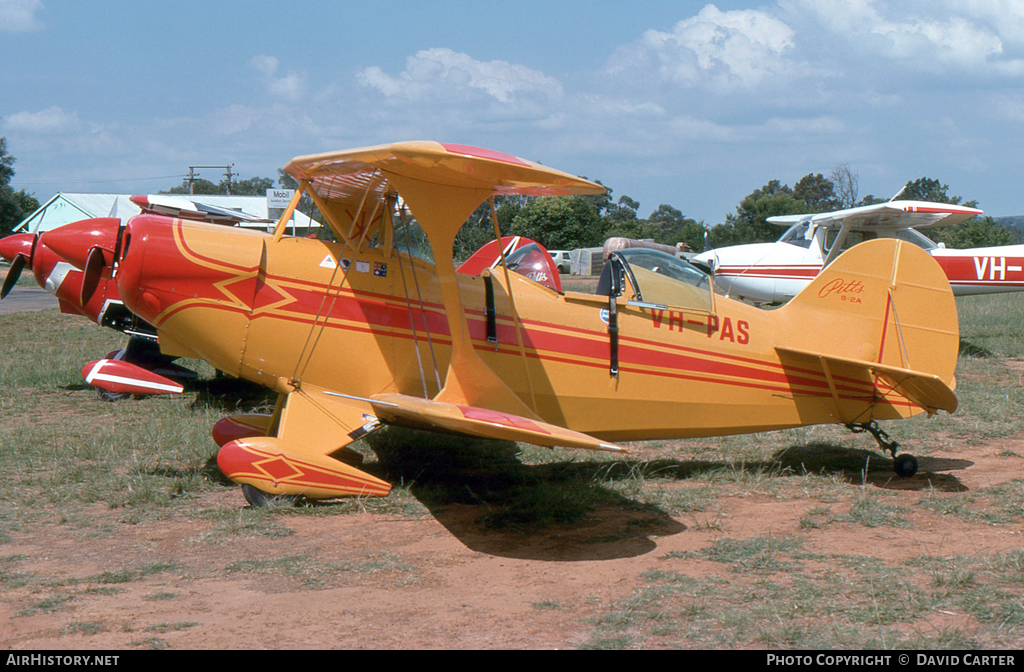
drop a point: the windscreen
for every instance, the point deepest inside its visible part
(667, 280)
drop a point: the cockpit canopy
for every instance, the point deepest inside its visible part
(536, 264)
(800, 234)
(656, 278)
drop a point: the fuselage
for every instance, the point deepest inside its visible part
(776, 272)
(301, 311)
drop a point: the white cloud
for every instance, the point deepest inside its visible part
(921, 35)
(1003, 17)
(19, 15)
(727, 50)
(274, 123)
(50, 121)
(291, 87)
(442, 72)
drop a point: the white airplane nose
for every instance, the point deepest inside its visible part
(706, 258)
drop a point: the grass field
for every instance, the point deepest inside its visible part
(797, 539)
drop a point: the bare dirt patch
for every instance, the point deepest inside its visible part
(203, 579)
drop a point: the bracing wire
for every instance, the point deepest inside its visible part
(412, 317)
(423, 310)
(300, 366)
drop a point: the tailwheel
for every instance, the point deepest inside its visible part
(904, 465)
(258, 499)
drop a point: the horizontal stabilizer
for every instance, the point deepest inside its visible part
(119, 376)
(923, 389)
(400, 409)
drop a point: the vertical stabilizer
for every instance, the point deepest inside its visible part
(887, 303)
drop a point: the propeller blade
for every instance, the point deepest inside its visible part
(92, 273)
(13, 275)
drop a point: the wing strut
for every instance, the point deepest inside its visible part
(408, 303)
(512, 304)
(300, 367)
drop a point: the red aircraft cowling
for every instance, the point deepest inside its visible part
(64, 281)
(15, 244)
(16, 249)
(73, 242)
(60, 259)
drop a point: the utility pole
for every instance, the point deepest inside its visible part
(228, 175)
(192, 176)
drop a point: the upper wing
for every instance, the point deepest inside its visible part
(894, 214)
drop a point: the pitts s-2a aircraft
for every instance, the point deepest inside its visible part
(774, 273)
(360, 332)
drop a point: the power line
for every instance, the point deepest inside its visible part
(75, 181)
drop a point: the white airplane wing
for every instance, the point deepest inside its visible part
(175, 206)
(891, 215)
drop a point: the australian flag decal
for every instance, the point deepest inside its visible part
(380, 270)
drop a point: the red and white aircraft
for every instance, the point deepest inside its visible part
(775, 272)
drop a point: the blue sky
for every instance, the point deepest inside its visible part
(692, 104)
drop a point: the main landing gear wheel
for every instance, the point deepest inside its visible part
(258, 499)
(107, 395)
(904, 465)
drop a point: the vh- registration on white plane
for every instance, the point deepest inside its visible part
(774, 273)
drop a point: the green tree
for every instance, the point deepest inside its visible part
(14, 205)
(927, 189)
(254, 186)
(199, 187)
(668, 226)
(749, 224)
(479, 228)
(6, 164)
(601, 203)
(975, 232)
(817, 192)
(560, 222)
(620, 220)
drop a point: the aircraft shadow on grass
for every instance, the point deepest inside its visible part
(968, 349)
(574, 510)
(582, 509)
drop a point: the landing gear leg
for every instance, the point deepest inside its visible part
(904, 465)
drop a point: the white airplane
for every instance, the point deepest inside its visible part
(773, 273)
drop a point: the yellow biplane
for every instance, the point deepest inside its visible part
(365, 331)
